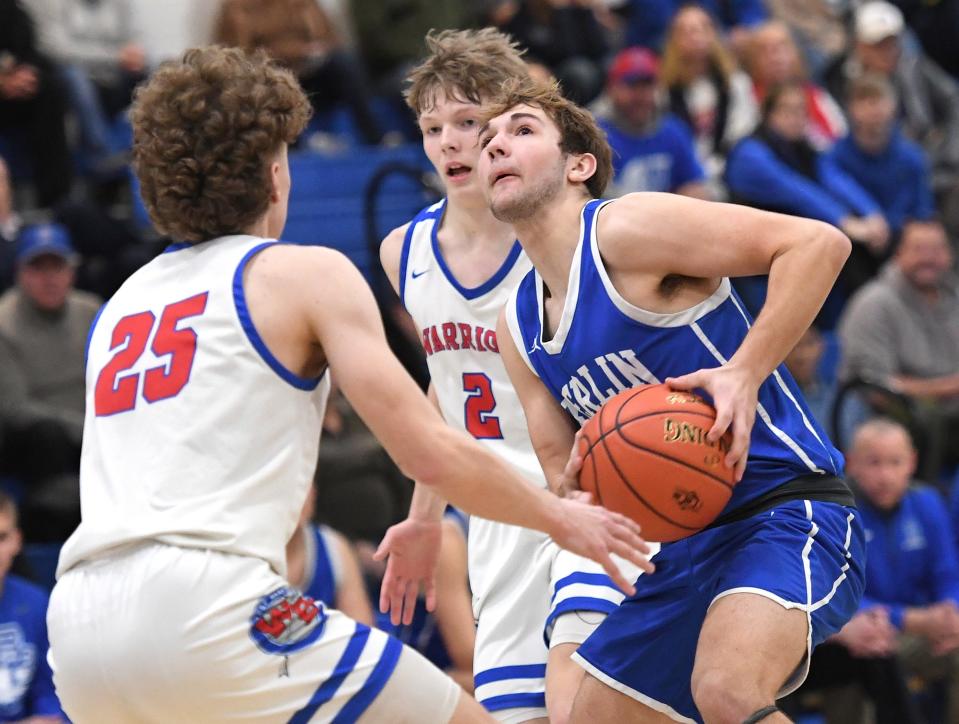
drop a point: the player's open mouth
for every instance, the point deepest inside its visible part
(457, 170)
(497, 177)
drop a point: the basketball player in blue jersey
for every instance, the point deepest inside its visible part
(454, 265)
(636, 291)
(207, 378)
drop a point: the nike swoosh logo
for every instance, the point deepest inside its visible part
(419, 274)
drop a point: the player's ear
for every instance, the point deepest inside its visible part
(580, 167)
(275, 171)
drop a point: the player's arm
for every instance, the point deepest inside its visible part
(454, 610)
(550, 428)
(411, 548)
(391, 250)
(343, 317)
(412, 545)
(708, 240)
(351, 597)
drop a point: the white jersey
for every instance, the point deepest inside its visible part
(521, 581)
(458, 330)
(195, 435)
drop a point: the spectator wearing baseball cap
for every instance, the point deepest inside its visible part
(928, 105)
(652, 150)
(44, 323)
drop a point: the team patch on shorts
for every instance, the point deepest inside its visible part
(285, 621)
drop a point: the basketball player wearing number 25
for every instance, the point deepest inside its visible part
(207, 379)
(636, 291)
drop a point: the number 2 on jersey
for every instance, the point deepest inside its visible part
(480, 422)
(115, 393)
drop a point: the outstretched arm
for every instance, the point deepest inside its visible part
(343, 320)
(692, 238)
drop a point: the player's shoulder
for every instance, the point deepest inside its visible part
(391, 248)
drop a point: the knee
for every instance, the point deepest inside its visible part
(724, 698)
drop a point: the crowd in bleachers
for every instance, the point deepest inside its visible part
(845, 111)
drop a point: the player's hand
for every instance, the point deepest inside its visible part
(412, 549)
(869, 634)
(567, 484)
(735, 393)
(595, 532)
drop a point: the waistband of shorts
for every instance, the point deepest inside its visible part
(822, 488)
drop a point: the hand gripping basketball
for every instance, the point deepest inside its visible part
(646, 455)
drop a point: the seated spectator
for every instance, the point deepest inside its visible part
(101, 61)
(912, 570)
(706, 89)
(447, 635)
(648, 20)
(566, 37)
(300, 35)
(928, 96)
(818, 26)
(27, 694)
(803, 364)
(778, 170)
(773, 58)
(890, 167)
(44, 324)
(652, 150)
(901, 331)
(323, 565)
(32, 104)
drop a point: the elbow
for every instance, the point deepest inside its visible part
(832, 245)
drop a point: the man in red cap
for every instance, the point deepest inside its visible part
(652, 149)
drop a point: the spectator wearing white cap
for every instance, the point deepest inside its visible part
(928, 96)
(44, 324)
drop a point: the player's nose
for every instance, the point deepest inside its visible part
(448, 139)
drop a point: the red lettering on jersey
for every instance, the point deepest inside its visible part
(434, 336)
(489, 338)
(479, 339)
(426, 342)
(449, 335)
(466, 336)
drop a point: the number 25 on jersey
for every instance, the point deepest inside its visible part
(117, 392)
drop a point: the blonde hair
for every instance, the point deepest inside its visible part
(468, 65)
(577, 127)
(673, 70)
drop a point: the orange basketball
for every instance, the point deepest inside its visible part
(645, 455)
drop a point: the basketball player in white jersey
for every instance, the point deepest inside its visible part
(454, 266)
(207, 375)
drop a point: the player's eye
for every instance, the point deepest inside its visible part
(523, 131)
(431, 130)
(484, 141)
(469, 122)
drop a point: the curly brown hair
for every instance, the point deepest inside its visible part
(468, 65)
(578, 130)
(205, 129)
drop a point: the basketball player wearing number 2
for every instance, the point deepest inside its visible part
(636, 291)
(454, 266)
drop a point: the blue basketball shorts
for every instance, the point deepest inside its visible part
(801, 554)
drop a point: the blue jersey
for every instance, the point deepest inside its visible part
(604, 345)
(27, 688)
